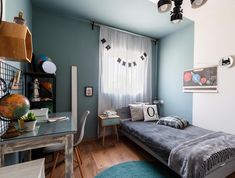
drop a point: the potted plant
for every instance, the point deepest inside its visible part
(29, 121)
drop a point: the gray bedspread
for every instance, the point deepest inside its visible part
(194, 158)
(159, 138)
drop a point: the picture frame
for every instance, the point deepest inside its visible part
(201, 80)
(88, 91)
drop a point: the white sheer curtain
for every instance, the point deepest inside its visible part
(125, 71)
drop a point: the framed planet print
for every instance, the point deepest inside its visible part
(200, 80)
(89, 91)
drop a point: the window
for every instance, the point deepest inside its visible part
(124, 69)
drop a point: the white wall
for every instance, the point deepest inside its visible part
(4, 10)
(214, 38)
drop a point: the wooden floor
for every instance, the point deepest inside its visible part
(97, 157)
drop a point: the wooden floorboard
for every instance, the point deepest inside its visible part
(96, 157)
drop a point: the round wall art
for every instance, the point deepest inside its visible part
(226, 62)
(49, 67)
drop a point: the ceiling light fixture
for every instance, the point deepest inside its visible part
(177, 12)
(164, 5)
(197, 3)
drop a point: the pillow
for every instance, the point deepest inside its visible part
(136, 112)
(143, 103)
(124, 112)
(150, 112)
(173, 121)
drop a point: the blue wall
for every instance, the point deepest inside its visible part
(12, 7)
(70, 41)
(175, 55)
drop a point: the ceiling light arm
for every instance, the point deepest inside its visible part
(177, 8)
(177, 12)
(178, 2)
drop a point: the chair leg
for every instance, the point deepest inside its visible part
(79, 153)
(54, 165)
(79, 163)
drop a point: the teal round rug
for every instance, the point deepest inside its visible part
(137, 169)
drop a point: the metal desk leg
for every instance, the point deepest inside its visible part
(1, 156)
(69, 156)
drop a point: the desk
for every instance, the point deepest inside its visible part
(46, 134)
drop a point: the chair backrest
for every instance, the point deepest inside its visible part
(81, 127)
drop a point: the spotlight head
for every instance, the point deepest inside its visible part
(177, 14)
(176, 18)
(164, 5)
(197, 3)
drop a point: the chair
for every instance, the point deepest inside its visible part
(77, 140)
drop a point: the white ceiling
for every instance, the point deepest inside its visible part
(138, 16)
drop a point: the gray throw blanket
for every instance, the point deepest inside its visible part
(194, 158)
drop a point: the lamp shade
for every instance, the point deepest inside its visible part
(164, 5)
(15, 42)
(197, 3)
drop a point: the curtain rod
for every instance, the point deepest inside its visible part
(124, 31)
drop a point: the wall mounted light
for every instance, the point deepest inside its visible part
(177, 12)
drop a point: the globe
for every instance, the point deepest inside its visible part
(13, 106)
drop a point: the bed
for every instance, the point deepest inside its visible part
(160, 140)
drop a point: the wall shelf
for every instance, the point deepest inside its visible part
(42, 77)
(16, 42)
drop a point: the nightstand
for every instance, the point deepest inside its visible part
(109, 121)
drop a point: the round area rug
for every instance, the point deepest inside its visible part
(137, 169)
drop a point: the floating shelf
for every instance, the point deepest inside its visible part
(16, 42)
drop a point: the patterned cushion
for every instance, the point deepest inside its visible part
(136, 112)
(173, 121)
(150, 112)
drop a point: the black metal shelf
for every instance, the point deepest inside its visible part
(40, 74)
(29, 77)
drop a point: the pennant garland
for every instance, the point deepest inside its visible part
(103, 41)
(108, 47)
(119, 60)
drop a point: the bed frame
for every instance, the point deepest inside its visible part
(221, 171)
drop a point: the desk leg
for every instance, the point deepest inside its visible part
(103, 135)
(2, 156)
(69, 156)
(116, 131)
